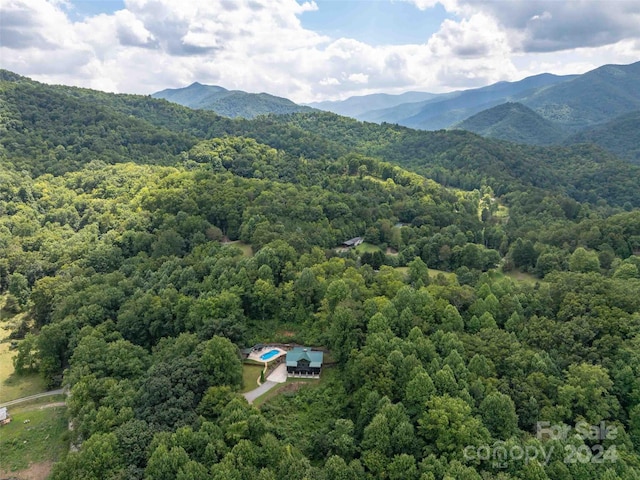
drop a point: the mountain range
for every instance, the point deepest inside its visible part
(543, 109)
(230, 103)
(573, 101)
(55, 129)
(601, 106)
(445, 110)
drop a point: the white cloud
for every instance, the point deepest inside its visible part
(329, 81)
(359, 78)
(261, 45)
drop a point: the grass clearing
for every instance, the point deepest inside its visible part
(502, 213)
(250, 375)
(44, 438)
(367, 247)
(246, 249)
(433, 273)
(12, 385)
(522, 277)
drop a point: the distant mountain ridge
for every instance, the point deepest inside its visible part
(572, 102)
(543, 109)
(594, 97)
(230, 103)
(357, 106)
(437, 111)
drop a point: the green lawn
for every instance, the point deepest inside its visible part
(43, 438)
(367, 247)
(12, 385)
(250, 374)
(433, 273)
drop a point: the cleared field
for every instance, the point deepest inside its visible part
(367, 247)
(43, 438)
(12, 385)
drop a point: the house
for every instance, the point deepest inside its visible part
(354, 242)
(4, 416)
(302, 361)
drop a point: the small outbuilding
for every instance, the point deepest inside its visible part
(304, 362)
(4, 416)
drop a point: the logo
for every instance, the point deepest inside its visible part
(591, 450)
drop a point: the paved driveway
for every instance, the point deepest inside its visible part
(264, 388)
(279, 375)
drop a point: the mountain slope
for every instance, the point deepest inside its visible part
(468, 161)
(439, 113)
(595, 97)
(229, 103)
(513, 122)
(574, 102)
(54, 129)
(620, 136)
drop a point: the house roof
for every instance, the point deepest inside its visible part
(353, 241)
(3, 413)
(302, 353)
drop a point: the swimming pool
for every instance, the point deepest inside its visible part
(269, 355)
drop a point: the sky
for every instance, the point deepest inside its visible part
(312, 50)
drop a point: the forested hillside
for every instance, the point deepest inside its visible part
(598, 107)
(620, 136)
(515, 123)
(144, 243)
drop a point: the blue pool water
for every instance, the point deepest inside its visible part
(270, 354)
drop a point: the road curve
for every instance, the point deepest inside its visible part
(60, 391)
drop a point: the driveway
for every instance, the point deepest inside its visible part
(279, 375)
(264, 388)
(32, 397)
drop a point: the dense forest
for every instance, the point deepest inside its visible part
(500, 292)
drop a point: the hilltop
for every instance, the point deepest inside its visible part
(230, 103)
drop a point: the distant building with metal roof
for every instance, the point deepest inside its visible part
(354, 242)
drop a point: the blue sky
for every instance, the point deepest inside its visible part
(80, 9)
(376, 22)
(311, 50)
